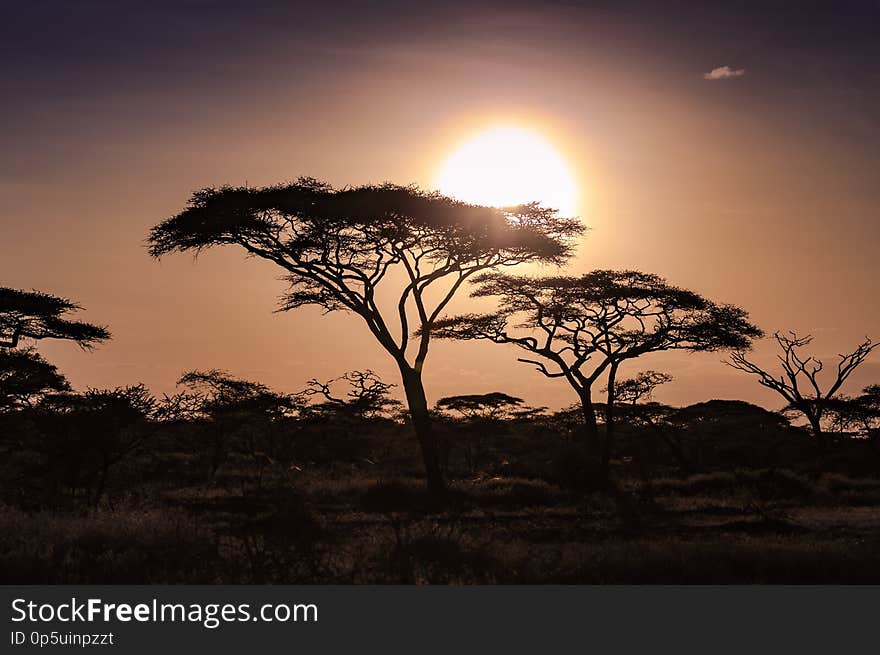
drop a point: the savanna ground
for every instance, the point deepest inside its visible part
(723, 492)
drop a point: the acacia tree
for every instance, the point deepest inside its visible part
(235, 412)
(37, 315)
(482, 406)
(640, 387)
(25, 378)
(579, 328)
(799, 381)
(480, 413)
(87, 434)
(367, 395)
(631, 392)
(860, 413)
(342, 249)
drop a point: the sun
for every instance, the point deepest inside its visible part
(506, 166)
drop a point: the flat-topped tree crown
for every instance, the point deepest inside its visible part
(25, 377)
(619, 314)
(579, 328)
(495, 404)
(37, 315)
(337, 246)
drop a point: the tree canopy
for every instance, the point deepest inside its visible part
(579, 326)
(367, 396)
(338, 248)
(25, 377)
(639, 387)
(337, 245)
(216, 394)
(488, 406)
(860, 413)
(37, 315)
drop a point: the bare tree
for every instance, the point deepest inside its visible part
(341, 247)
(37, 315)
(579, 328)
(799, 384)
(367, 395)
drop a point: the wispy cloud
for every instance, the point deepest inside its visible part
(724, 73)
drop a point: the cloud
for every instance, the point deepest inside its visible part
(724, 73)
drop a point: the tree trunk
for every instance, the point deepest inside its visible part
(590, 430)
(608, 444)
(418, 409)
(593, 478)
(818, 435)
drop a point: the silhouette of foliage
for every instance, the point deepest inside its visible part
(723, 433)
(235, 415)
(582, 327)
(640, 387)
(799, 381)
(859, 413)
(479, 414)
(338, 247)
(366, 397)
(37, 315)
(484, 406)
(209, 394)
(25, 378)
(87, 434)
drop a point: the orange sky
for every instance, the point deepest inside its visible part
(759, 190)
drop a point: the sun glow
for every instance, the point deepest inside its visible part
(507, 166)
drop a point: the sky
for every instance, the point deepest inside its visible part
(731, 147)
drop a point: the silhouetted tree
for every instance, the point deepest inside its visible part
(480, 413)
(799, 382)
(367, 395)
(484, 406)
(857, 413)
(341, 247)
(726, 433)
(89, 433)
(630, 393)
(25, 378)
(36, 315)
(639, 387)
(584, 327)
(208, 393)
(233, 409)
